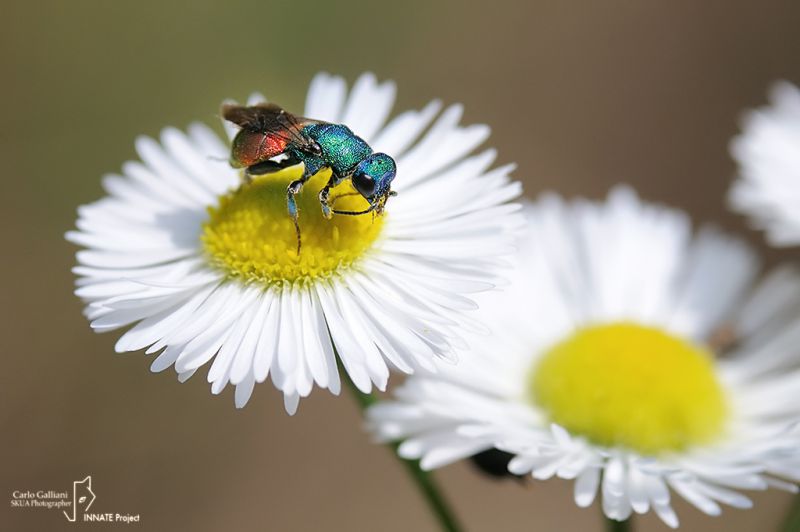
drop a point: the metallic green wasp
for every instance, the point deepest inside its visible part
(268, 131)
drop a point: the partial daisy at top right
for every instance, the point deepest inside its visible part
(767, 151)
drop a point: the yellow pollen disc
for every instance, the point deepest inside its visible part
(631, 386)
(250, 234)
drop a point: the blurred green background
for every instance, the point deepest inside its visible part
(581, 95)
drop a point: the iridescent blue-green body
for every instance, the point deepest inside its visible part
(341, 149)
(267, 131)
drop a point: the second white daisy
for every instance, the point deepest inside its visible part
(602, 366)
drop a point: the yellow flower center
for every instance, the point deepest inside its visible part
(627, 385)
(250, 235)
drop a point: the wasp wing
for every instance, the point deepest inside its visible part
(271, 119)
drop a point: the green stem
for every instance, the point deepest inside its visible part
(792, 523)
(432, 494)
(613, 525)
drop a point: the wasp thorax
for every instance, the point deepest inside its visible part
(250, 237)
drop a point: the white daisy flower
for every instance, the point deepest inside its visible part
(600, 368)
(207, 271)
(768, 154)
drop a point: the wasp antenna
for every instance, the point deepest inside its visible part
(355, 213)
(334, 199)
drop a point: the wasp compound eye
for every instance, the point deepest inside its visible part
(364, 184)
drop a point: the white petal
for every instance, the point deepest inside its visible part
(325, 98)
(586, 486)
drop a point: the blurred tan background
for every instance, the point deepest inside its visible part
(581, 95)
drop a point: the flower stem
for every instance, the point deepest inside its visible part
(422, 479)
(612, 525)
(792, 523)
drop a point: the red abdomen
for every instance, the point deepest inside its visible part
(251, 148)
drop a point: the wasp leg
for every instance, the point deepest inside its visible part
(324, 194)
(292, 190)
(267, 167)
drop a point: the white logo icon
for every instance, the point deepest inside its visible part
(82, 495)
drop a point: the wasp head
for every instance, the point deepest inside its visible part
(373, 177)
